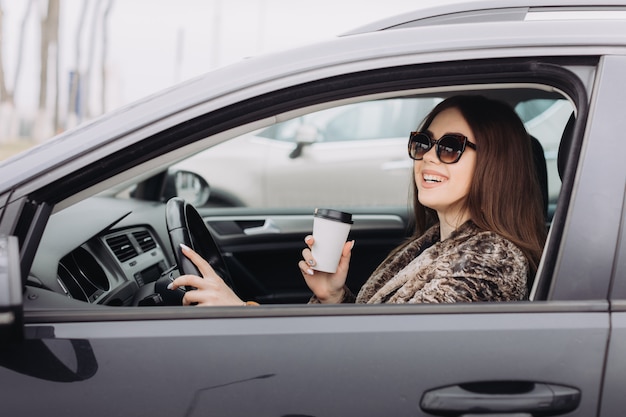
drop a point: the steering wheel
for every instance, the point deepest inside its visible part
(186, 226)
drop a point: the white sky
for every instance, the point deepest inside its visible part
(156, 43)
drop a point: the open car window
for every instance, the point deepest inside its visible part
(350, 155)
(257, 191)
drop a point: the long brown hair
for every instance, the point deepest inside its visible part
(504, 195)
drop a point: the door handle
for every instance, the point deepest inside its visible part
(501, 397)
(269, 227)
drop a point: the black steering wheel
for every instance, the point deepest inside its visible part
(186, 226)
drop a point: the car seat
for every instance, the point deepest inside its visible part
(542, 171)
(540, 289)
(563, 158)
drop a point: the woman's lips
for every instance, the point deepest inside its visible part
(432, 179)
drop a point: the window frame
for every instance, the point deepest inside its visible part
(549, 72)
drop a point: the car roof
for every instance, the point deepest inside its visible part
(495, 11)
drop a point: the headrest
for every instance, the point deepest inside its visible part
(565, 145)
(541, 169)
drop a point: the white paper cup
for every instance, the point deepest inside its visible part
(330, 231)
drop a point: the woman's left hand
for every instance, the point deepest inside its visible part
(211, 289)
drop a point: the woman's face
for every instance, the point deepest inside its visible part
(444, 187)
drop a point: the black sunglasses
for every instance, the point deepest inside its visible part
(449, 147)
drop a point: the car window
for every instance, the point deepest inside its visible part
(352, 155)
(530, 109)
(273, 186)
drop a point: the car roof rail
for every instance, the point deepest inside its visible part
(494, 11)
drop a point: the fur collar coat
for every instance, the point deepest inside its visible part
(470, 265)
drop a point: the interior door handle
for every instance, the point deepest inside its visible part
(269, 227)
(501, 397)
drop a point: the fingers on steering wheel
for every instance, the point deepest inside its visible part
(202, 264)
(191, 298)
(186, 281)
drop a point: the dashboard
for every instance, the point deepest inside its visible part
(103, 250)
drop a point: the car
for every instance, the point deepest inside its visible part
(90, 223)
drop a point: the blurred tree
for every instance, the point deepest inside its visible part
(98, 37)
(20, 46)
(85, 108)
(105, 49)
(8, 112)
(44, 125)
(100, 14)
(73, 116)
(6, 97)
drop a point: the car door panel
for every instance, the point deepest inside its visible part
(613, 402)
(327, 360)
(583, 253)
(262, 252)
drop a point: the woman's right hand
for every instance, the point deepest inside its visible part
(327, 287)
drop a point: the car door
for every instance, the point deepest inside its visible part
(262, 251)
(609, 230)
(418, 360)
(612, 399)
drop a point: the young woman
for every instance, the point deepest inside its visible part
(479, 223)
(478, 211)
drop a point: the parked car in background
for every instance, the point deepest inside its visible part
(87, 243)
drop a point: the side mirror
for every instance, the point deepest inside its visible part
(189, 186)
(305, 136)
(11, 307)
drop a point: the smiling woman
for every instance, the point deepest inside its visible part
(442, 177)
(465, 246)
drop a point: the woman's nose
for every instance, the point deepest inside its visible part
(431, 155)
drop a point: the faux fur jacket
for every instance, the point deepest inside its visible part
(471, 265)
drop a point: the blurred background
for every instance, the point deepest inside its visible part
(64, 62)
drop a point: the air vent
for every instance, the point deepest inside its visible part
(145, 240)
(121, 247)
